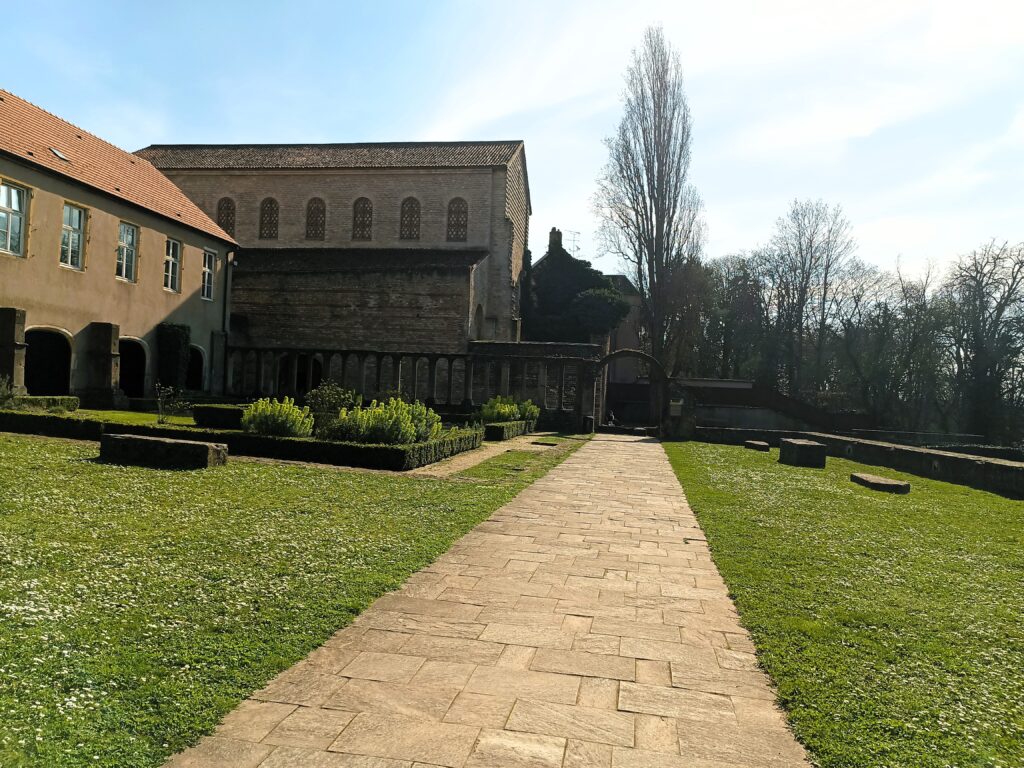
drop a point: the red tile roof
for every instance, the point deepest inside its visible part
(33, 135)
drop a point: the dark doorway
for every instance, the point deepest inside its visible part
(47, 363)
(195, 370)
(133, 367)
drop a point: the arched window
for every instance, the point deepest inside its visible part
(316, 219)
(458, 220)
(269, 210)
(226, 215)
(362, 219)
(409, 221)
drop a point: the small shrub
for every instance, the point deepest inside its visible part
(508, 409)
(392, 422)
(169, 402)
(6, 392)
(327, 399)
(277, 418)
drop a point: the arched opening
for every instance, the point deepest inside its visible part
(632, 404)
(196, 369)
(133, 367)
(47, 362)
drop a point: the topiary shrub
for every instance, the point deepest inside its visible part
(326, 400)
(392, 422)
(509, 409)
(277, 418)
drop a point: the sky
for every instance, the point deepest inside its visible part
(910, 115)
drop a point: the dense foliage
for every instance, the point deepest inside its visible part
(327, 399)
(392, 422)
(507, 408)
(277, 418)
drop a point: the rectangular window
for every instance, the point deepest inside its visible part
(72, 236)
(209, 262)
(127, 250)
(12, 218)
(172, 266)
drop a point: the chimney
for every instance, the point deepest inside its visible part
(555, 240)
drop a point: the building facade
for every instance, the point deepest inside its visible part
(98, 252)
(415, 246)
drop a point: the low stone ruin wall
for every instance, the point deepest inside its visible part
(996, 475)
(161, 452)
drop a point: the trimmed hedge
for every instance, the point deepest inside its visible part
(67, 402)
(506, 430)
(393, 457)
(218, 416)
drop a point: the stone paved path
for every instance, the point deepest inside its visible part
(583, 624)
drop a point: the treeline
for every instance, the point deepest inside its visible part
(805, 316)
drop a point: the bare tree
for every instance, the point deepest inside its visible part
(652, 217)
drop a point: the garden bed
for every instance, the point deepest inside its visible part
(506, 430)
(393, 457)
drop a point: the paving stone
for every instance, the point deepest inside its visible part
(480, 709)
(599, 693)
(879, 483)
(507, 681)
(292, 757)
(657, 734)
(216, 752)
(606, 626)
(516, 634)
(503, 749)
(252, 720)
(377, 735)
(386, 667)
(587, 754)
(309, 727)
(419, 702)
(582, 663)
(303, 684)
(676, 702)
(443, 674)
(452, 649)
(586, 723)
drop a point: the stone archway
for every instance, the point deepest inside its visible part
(47, 361)
(132, 379)
(195, 371)
(640, 404)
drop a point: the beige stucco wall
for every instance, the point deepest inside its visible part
(59, 297)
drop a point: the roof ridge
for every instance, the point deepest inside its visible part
(68, 123)
(265, 145)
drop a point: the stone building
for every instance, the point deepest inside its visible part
(414, 247)
(99, 251)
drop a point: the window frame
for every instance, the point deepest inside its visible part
(122, 247)
(410, 229)
(209, 274)
(71, 230)
(175, 263)
(21, 216)
(316, 230)
(362, 231)
(227, 208)
(269, 230)
(453, 227)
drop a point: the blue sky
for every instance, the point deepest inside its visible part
(908, 114)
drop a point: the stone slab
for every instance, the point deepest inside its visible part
(878, 483)
(757, 445)
(161, 452)
(802, 453)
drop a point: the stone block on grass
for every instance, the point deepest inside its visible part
(161, 452)
(757, 445)
(878, 483)
(802, 453)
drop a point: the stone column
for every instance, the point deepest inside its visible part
(431, 381)
(542, 384)
(451, 381)
(396, 373)
(467, 382)
(12, 347)
(561, 387)
(309, 370)
(504, 384)
(293, 373)
(99, 366)
(379, 377)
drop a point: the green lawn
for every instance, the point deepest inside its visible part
(132, 417)
(893, 625)
(137, 606)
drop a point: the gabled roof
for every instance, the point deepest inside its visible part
(417, 154)
(34, 136)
